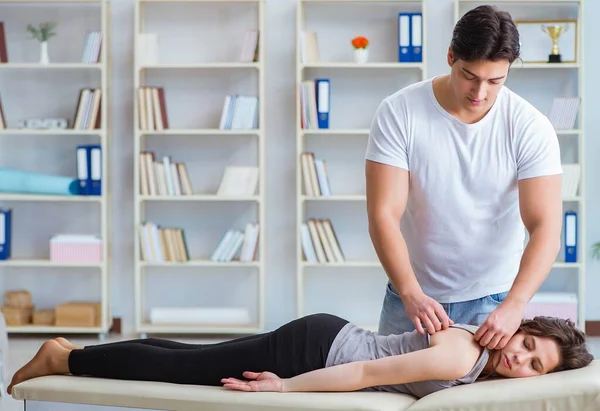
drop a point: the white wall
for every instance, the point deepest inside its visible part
(281, 202)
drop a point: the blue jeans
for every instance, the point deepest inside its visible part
(393, 319)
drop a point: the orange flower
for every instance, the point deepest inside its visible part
(360, 42)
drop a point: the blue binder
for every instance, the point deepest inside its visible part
(89, 169)
(404, 37)
(410, 37)
(83, 174)
(322, 94)
(95, 170)
(416, 37)
(570, 236)
(5, 233)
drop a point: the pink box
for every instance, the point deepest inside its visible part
(76, 249)
(562, 305)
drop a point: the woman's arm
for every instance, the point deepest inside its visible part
(450, 358)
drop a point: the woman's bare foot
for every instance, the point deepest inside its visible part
(66, 343)
(52, 358)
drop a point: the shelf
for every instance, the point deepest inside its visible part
(51, 132)
(201, 1)
(49, 66)
(544, 66)
(184, 66)
(358, 264)
(523, 1)
(42, 197)
(382, 65)
(337, 197)
(200, 132)
(46, 263)
(566, 265)
(363, 1)
(568, 132)
(201, 263)
(52, 2)
(199, 197)
(332, 131)
(52, 329)
(572, 199)
(200, 329)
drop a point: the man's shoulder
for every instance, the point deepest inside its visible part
(410, 92)
(519, 108)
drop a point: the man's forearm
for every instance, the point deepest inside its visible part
(392, 252)
(536, 263)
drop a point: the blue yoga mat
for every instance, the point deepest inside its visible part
(18, 181)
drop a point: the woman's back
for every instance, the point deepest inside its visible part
(356, 344)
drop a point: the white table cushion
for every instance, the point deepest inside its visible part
(575, 390)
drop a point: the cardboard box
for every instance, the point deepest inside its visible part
(78, 314)
(17, 299)
(44, 317)
(16, 316)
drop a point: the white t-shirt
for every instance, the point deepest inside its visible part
(462, 223)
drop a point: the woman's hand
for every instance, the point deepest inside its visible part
(259, 381)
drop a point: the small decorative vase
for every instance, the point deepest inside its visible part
(361, 55)
(44, 58)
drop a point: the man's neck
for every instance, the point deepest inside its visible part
(442, 90)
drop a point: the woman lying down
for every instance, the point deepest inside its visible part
(322, 352)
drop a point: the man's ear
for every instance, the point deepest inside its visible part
(450, 57)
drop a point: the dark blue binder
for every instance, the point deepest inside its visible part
(5, 233)
(570, 236)
(83, 170)
(322, 93)
(404, 37)
(95, 169)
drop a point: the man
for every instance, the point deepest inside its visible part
(457, 168)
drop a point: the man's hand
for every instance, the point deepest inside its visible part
(424, 310)
(260, 381)
(500, 325)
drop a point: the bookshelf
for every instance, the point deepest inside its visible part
(38, 216)
(195, 82)
(355, 90)
(540, 83)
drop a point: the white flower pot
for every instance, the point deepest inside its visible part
(44, 58)
(361, 55)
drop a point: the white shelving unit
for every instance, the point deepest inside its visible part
(383, 62)
(44, 73)
(554, 9)
(198, 136)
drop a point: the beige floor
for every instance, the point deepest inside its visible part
(22, 349)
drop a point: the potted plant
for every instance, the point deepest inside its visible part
(361, 53)
(42, 34)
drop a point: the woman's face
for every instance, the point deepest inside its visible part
(526, 355)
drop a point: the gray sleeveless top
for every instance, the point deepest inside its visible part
(356, 344)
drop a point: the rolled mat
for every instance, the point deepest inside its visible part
(18, 181)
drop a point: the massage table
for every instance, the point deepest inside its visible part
(574, 390)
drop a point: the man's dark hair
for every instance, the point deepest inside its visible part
(485, 33)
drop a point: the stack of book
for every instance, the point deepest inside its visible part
(239, 113)
(160, 244)
(314, 176)
(166, 178)
(320, 243)
(237, 243)
(152, 109)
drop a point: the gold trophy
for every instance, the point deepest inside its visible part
(554, 31)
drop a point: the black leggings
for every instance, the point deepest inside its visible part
(297, 347)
